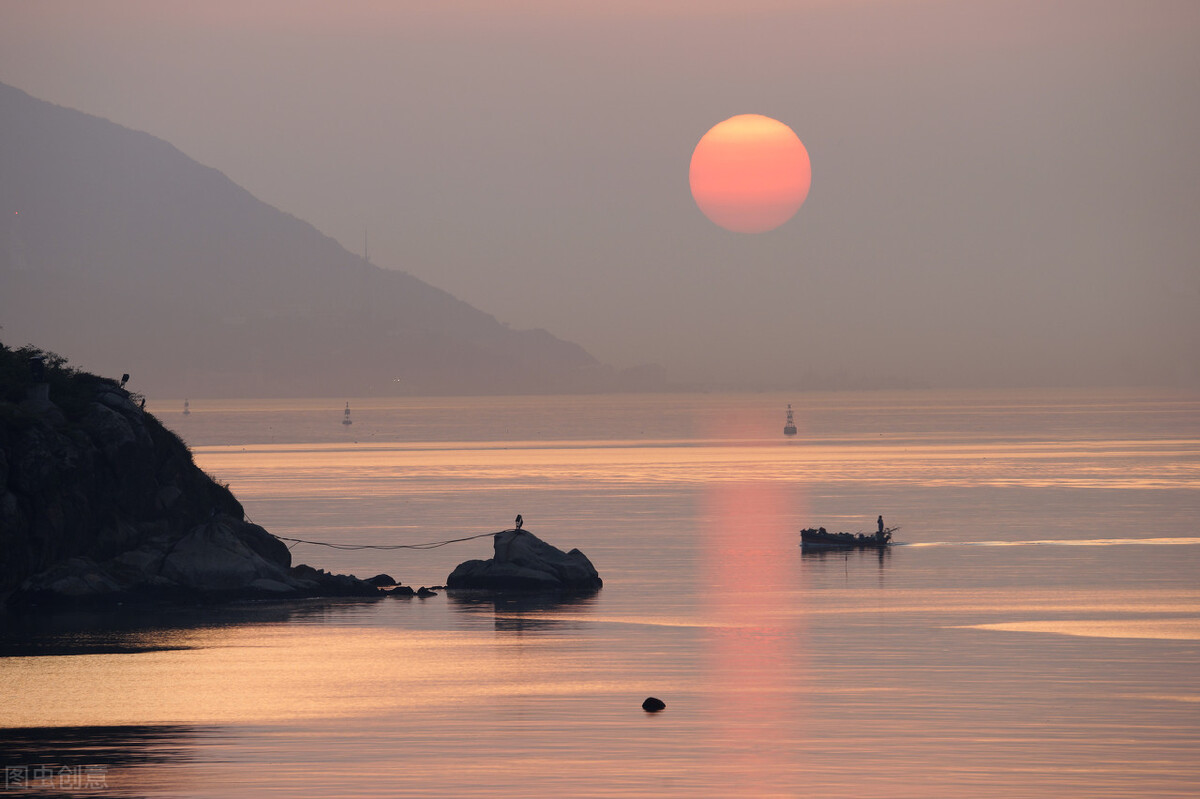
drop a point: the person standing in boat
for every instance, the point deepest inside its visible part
(881, 525)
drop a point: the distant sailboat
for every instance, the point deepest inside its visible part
(187, 411)
(346, 416)
(789, 429)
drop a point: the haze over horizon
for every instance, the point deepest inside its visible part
(1003, 193)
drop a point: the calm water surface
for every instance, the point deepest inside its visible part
(1036, 633)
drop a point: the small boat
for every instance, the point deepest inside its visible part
(789, 429)
(346, 416)
(187, 411)
(820, 538)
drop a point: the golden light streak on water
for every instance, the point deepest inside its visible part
(1111, 465)
(263, 675)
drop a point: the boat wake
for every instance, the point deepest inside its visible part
(1076, 542)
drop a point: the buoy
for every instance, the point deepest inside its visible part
(652, 705)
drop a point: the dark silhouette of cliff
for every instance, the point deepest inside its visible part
(99, 503)
(119, 249)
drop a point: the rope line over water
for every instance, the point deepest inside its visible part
(426, 545)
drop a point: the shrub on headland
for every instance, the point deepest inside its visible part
(70, 387)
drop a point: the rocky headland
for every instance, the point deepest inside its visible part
(99, 503)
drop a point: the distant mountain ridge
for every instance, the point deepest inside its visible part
(124, 252)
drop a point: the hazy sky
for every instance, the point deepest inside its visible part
(1002, 191)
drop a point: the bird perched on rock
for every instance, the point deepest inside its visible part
(520, 521)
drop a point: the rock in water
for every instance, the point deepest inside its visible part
(524, 562)
(653, 705)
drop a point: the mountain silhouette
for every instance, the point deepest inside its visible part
(125, 254)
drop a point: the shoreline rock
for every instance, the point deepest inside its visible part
(524, 563)
(222, 560)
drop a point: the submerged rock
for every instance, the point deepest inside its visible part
(524, 562)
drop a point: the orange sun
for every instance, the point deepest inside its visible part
(750, 173)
